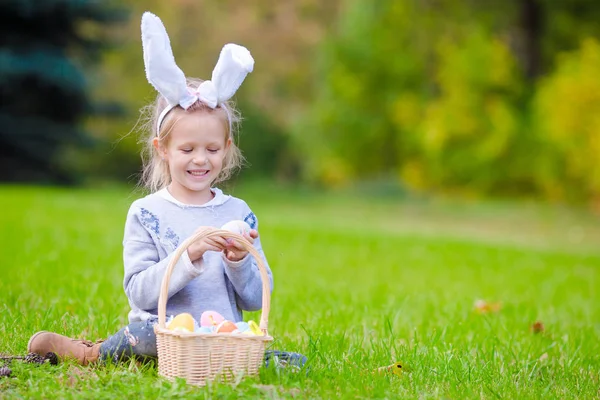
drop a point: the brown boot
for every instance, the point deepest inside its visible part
(83, 351)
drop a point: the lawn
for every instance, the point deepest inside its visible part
(361, 281)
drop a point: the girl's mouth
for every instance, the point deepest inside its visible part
(196, 172)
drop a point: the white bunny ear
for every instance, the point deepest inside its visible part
(235, 62)
(207, 93)
(161, 70)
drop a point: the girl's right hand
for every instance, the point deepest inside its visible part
(197, 249)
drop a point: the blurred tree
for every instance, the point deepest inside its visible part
(44, 45)
(544, 28)
(531, 22)
(566, 120)
(472, 127)
(373, 79)
(453, 96)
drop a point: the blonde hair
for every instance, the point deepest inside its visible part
(155, 170)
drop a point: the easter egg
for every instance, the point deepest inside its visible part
(226, 327)
(237, 226)
(211, 318)
(242, 326)
(182, 322)
(255, 329)
(205, 329)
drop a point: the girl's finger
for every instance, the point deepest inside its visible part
(211, 244)
(213, 239)
(219, 241)
(236, 246)
(230, 254)
(213, 248)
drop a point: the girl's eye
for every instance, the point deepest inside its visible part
(213, 151)
(186, 150)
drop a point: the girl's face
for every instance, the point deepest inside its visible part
(195, 151)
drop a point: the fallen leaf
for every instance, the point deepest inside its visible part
(483, 307)
(395, 368)
(537, 327)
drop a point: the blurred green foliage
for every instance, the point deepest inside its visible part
(567, 122)
(477, 98)
(440, 96)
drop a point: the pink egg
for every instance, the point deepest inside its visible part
(211, 318)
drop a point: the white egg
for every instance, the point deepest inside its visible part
(237, 226)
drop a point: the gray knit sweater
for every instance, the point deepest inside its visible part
(156, 225)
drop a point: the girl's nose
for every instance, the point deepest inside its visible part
(199, 158)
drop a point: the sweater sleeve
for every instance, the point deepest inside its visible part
(245, 276)
(144, 270)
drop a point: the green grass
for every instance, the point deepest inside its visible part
(360, 282)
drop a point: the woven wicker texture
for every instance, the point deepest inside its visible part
(203, 357)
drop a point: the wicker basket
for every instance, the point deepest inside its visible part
(203, 357)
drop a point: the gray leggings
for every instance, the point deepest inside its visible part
(139, 341)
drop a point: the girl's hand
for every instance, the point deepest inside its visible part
(197, 249)
(234, 251)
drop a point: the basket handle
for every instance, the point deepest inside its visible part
(206, 233)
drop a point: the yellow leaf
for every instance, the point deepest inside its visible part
(395, 368)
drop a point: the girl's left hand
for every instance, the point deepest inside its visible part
(234, 251)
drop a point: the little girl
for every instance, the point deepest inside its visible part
(191, 146)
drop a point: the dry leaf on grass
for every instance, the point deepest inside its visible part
(396, 369)
(484, 307)
(537, 327)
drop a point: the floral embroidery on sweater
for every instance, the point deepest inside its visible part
(251, 220)
(149, 220)
(172, 237)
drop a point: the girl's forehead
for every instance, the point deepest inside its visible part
(198, 126)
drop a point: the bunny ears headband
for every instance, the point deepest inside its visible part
(235, 62)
